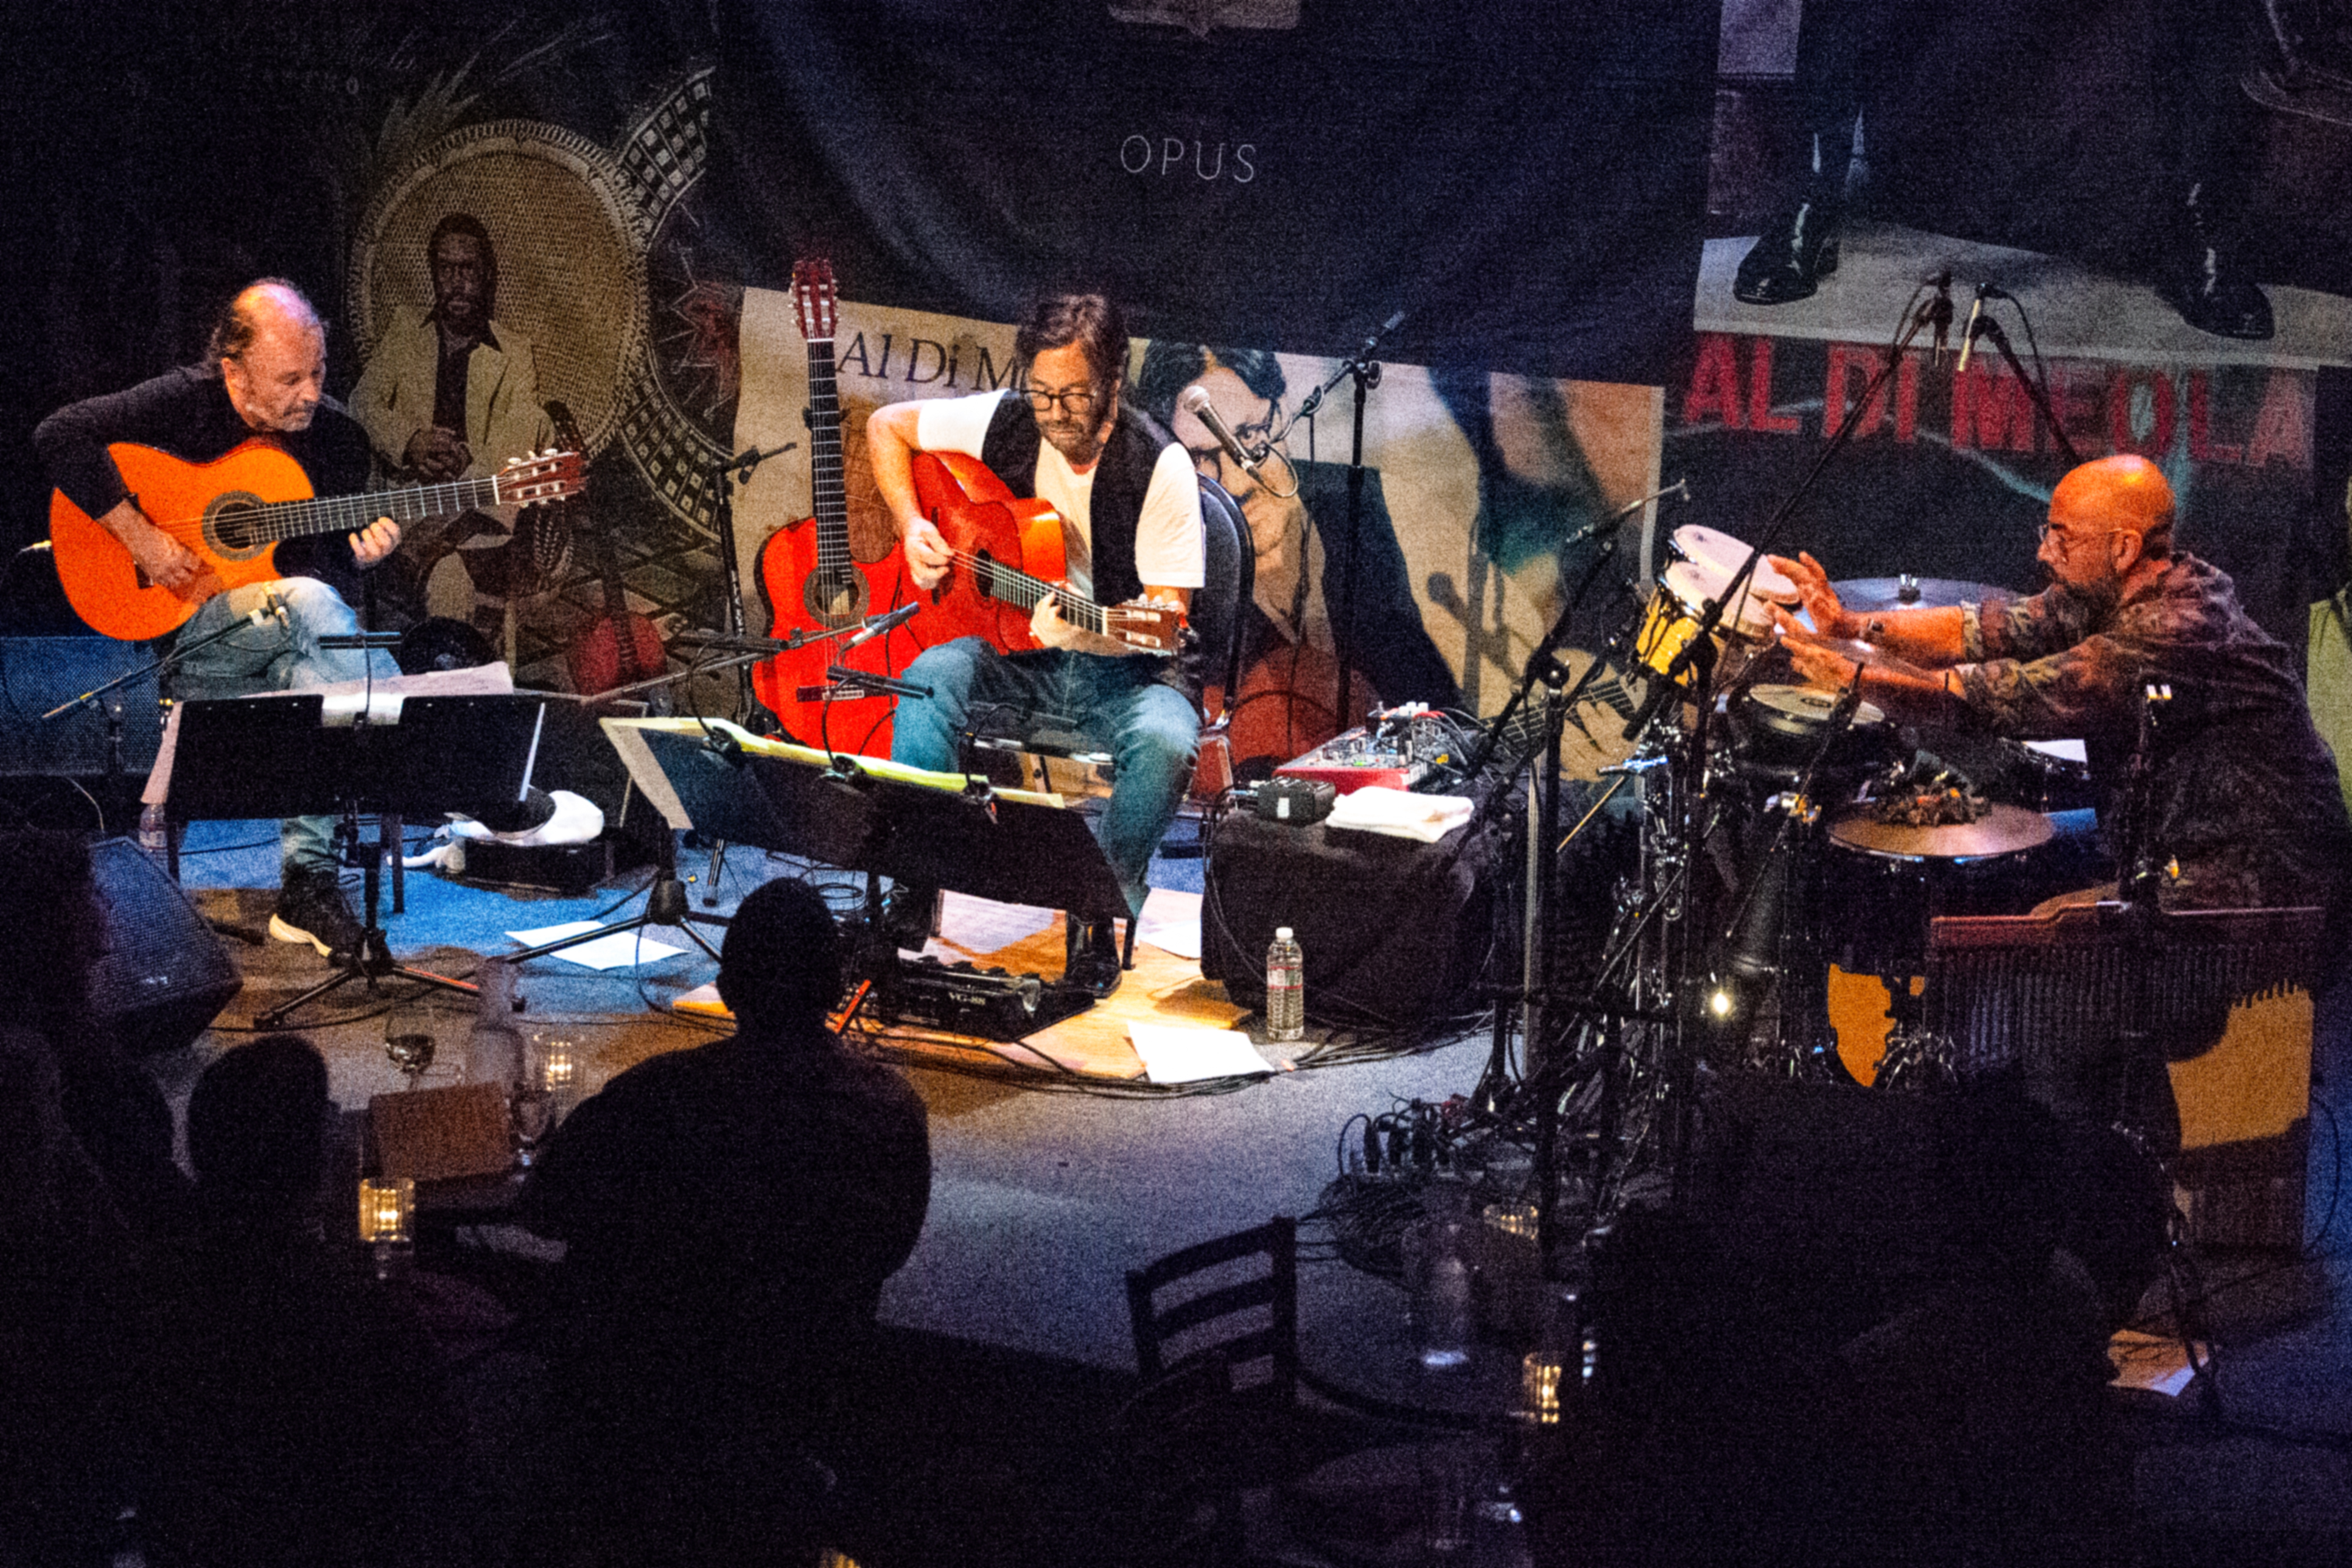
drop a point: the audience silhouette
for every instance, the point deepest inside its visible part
(730, 1213)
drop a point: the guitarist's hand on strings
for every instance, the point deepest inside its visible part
(167, 563)
(927, 556)
(376, 541)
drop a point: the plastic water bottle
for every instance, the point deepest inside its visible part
(154, 834)
(494, 1050)
(1446, 1303)
(1286, 988)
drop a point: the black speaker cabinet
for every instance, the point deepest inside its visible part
(38, 673)
(165, 976)
(1394, 931)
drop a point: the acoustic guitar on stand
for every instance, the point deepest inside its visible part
(1009, 556)
(809, 578)
(233, 512)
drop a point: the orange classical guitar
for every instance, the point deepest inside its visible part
(233, 513)
(1009, 556)
(809, 578)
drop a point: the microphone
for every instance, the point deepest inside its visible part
(1968, 333)
(1196, 403)
(881, 625)
(1939, 311)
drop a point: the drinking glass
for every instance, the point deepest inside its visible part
(530, 1115)
(408, 1040)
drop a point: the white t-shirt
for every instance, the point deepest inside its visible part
(1168, 551)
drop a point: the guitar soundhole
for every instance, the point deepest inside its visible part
(835, 597)
(234, 524)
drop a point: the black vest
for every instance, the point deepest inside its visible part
(1121, 476)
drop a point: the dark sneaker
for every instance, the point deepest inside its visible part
(311, 908)
(1092, 958)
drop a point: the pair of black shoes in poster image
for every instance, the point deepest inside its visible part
(2197, 274)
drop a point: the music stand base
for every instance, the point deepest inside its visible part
(374, 962)
(666, 905)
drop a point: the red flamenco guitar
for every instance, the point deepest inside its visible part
(1008, 556)
(808, 575)
(234, 510)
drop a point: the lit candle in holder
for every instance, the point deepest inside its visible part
(1539, 1376)
(387, 1208)
(1513, 1219)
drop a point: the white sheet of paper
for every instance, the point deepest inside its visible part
(2152, 1362)
(622, 949)
(1172, 922)
(1174, 1054)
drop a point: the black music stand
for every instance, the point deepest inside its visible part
(860, 816)
(303, 754)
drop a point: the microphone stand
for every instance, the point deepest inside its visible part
(1987, 327)
(1365, 371)
(725, 474)
(736, 471)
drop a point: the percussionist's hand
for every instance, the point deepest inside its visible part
(376, 541)
(1817, 598)
(436, 454)
(927, 556)
(1817, 666)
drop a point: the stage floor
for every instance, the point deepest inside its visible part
(1050, 1181)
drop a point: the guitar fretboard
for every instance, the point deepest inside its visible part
(1014, 586)
(272, 522)
(828, 496)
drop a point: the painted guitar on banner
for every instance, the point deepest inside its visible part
(1009, 556)
(619, 647)
(810, 580)
(234, 510)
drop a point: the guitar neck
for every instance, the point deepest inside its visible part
(276, 520)
(829, 495)
(1020, 588)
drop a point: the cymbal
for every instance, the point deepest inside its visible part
(1859, 652)
(2003, 830)
(1863, 595)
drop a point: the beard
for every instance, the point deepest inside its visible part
(1080, 441)
(2102, 598)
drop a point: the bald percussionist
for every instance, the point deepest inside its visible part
(2245, 799)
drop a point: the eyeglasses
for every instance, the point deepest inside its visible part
(2069, 534)
(1079, 400)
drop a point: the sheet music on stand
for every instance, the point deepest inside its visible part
(947, 830)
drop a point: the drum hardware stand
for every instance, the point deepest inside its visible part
(1690, 674)
(1676, 825)
(1797, 806)
(2142, 868)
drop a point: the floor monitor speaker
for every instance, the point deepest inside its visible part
(165, 976)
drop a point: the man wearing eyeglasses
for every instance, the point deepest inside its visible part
(2246, 800)
(1130, 509)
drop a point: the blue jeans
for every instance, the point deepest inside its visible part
(1150, 731)
(275, 657)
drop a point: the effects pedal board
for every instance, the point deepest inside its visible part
(987, 1003)
(1400, 747)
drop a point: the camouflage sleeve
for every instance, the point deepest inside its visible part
(2074, 692)
(2031, 628)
